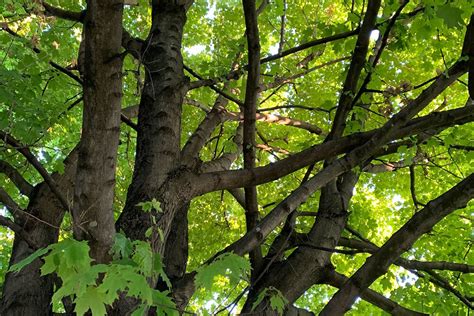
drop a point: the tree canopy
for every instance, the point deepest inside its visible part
(248, 157)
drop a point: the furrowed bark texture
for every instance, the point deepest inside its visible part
(159, 124)
(174, 176)
(95, 178)
(27, 292)
(158, 142)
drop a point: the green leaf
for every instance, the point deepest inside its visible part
(138, 287)
(164, 303)
(23, 263)
(140, 311)
(115, 280)
(148, 232)
(91, 300)
(122, 247)
(228, 264)
(158, 269)
(277, 301)
(450, 15)
(143, 256)
(148, 206)
(260, 298)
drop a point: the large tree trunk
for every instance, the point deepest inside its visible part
(308, 265)
(95, 177)
(27, 292)
(159, 123)
(158, 143)
(162, 173)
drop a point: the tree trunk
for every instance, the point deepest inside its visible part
(158, 141)
(93, 215)
(26, 292)
(307, 265)
(159, 121)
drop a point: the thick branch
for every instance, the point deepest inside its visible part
(24, 186)
(434, 120)
(225, 161)
(405, 263)
(239, 178)
(6, 222)
(412, 265)
(435, 265)
(191, 149)
(357, 63)
(338, 280)
(250, 108)
(253, 238)
(9, 203)
(93, 216)
(63, 14)
(24, 150)
(401, 241)
(213, 118)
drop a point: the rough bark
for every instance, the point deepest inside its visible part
(175, 176)
(176, 249)
(27, 292)
(95, 177)
(158, 139)
(309, 265)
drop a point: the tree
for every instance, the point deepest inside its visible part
(255, 157)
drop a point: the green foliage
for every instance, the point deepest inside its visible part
(277, 301)
(23, 263)
(149, 206)
(133, 266)
(152, 207)
(451, 15)
(35, 101)
(228, 265)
